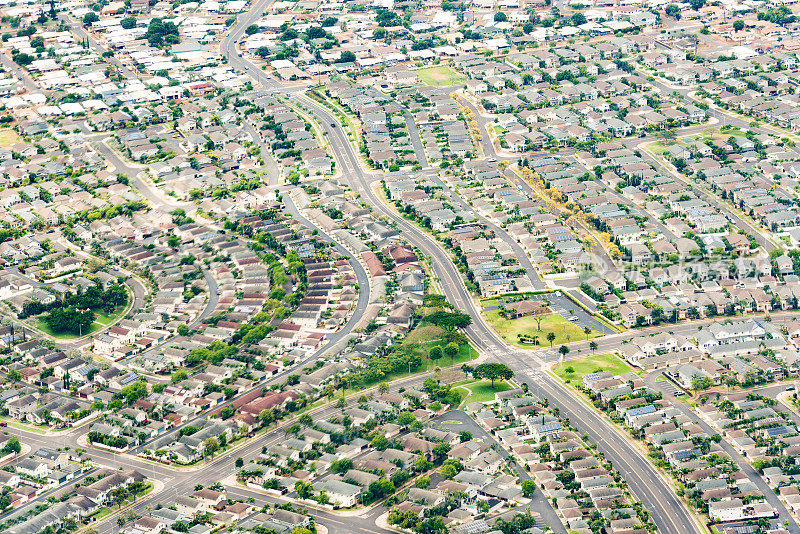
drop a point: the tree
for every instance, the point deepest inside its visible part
(250, 30)
(266, 417)
(467, 369)
(551, 336)
(12, 446)
(118, 496)
(160, 32)
(90, 18)
(136, 488)
(405, 418)
(701, 382)
(346, 57)
(493, 371)
(239, 462)
(738, 25)
(128, 22)
(383, 388)
(587, 331)
(563, 350)
(70, 320)
(435, 353)
(500, 17)
(211, 445)
(593, 346)
(422, 482)
(380, 442)
(528, 487)
(578, 19)
(451, 350)
(464, 436)
(441, 449)
(178, 376)
(304, 490)
(674, 11)
(448, 471)
(13, 376)
(448, 320)
(421, 464)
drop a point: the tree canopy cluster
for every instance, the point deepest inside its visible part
(160, 33)
(448, 320)
(93, 298)
(74, 313)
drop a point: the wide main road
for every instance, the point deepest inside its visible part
(669, 513)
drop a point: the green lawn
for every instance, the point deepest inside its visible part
(106, 318)
(510, 329)
(481, 390)
(465, 353)
(590, 364)
(441, 76)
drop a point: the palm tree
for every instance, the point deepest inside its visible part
(587, 331)
(551, 336)
(593, 346)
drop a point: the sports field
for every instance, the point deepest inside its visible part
(440, 76)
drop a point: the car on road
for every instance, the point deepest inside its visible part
(790, 388)
(3, 423)
(333, 125)
(492, 160)
(573, 318)
(678, 393)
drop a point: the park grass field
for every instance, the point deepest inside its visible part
(465, 354)
(590, 364)
(510, 329)
(8, 138)
(481, 390)
(440, 76)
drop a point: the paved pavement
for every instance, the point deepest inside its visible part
(213, 299)
(416, 140)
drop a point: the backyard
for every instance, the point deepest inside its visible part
(512, 329)
(577, 369)
(440, 76)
